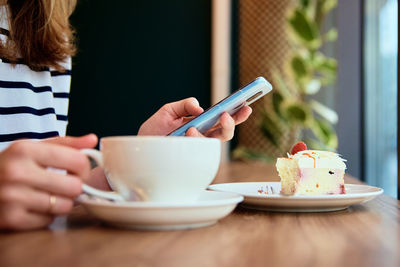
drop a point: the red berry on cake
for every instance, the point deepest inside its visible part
(300, 146)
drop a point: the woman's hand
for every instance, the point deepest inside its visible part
(30, 194)
(173, 115)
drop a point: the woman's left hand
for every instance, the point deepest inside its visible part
(173, 115)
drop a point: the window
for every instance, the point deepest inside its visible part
(380, 94)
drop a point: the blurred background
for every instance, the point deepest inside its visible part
(333, 65)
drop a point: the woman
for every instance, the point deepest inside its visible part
(35, 68)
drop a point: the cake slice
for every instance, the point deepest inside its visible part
(311, 172)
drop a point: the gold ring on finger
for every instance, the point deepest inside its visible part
(52, 203)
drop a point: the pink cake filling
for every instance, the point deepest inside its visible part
(308, 178)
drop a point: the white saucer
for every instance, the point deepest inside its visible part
(355, 194)
(210, 207)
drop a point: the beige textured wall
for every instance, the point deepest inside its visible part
(263, 46)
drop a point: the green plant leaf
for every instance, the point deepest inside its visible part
(269, 129)
(296, 112)
(325, 66)
(299, 67)
(304, 28)
(322, 7)
(328, 114)
(327, 6)
(330, 36)
(321, 61)
(325, 133)
(329, 64)
(277, 100)
(304, 3)
(327, 80)
(311, 70)
(281, 85)
(313, 87)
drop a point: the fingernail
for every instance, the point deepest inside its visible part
(195, 101)
(91, 135)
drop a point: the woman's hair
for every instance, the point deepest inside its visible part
(40, 33)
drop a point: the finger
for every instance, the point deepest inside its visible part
(242, 115)
(185, 107)
(42, 179)
(36, 220)
(61, 205)
(98, 179)
(54, 155)
(35, 200)
(53, 204)
(226, 128)
(86, 141)
(193, 132)
(16, 218)
(56, 183)
(239, 117)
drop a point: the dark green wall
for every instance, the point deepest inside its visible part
(135, 56)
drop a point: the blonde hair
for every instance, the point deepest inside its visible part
(40, 33)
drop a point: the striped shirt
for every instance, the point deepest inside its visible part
(33, 104)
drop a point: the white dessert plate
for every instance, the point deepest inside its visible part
(211, 207)
(255, 197)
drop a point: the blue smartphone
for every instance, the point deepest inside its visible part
(231, 104)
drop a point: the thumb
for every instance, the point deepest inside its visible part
(86, 141)
(185, 107)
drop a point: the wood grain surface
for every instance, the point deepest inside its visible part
(363, 235)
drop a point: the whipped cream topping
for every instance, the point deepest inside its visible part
(318, 159)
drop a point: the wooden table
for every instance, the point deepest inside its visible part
(363, 235)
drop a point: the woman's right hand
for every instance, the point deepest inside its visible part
(31, 195)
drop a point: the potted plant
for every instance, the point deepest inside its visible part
(307, 71)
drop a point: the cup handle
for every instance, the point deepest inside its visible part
(98, 157)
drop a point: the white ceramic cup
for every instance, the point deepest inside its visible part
(156, 168)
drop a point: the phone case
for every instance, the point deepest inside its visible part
(231, 104)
